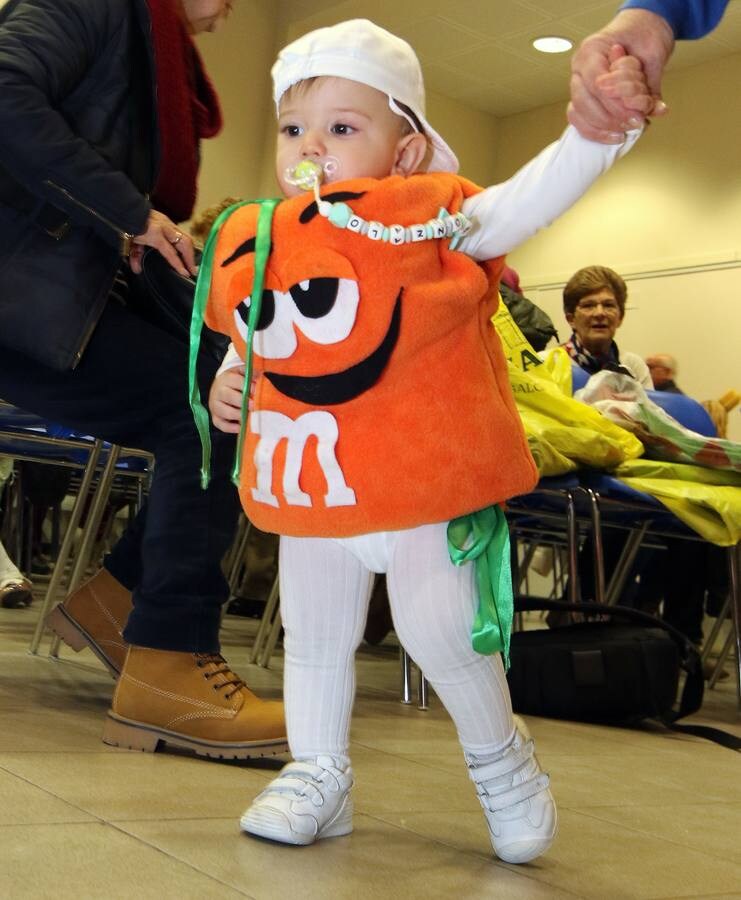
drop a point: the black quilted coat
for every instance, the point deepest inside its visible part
(78, 155)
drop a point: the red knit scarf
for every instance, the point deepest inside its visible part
(187, 109)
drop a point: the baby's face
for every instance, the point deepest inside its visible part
(336, 117)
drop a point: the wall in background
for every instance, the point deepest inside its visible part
(238, 58)
(667, 217)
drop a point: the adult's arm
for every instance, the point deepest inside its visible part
(646, 29)
(509, 213)
(48, 49)
(688, 21)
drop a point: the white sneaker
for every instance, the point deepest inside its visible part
(309, 800)
(517, 803)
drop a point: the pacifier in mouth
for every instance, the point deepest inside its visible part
(310, 173)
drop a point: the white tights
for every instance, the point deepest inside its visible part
(325, 588)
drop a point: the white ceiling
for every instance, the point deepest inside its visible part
(479, 51)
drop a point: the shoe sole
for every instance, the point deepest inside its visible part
(339, 826)
(130, 735)
(76, 638)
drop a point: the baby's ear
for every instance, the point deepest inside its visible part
(411, 151)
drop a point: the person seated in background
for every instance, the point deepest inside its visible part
(594, 306)
(663, 369)
(15, 589)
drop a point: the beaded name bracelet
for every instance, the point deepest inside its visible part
(308, 175)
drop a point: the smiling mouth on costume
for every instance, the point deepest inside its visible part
(339, 387)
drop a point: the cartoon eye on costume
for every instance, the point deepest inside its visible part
(326, 308)
(323, 309)
(274, 334)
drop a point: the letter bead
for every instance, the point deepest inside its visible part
(396, 235)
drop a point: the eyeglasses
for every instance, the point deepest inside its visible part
(609, 307)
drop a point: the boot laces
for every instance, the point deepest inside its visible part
(215, 664)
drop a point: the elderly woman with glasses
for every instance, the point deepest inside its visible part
(594, 306)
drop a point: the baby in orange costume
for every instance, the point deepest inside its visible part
(356, 325)
(381, 410)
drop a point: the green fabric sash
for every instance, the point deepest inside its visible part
(203, 286)
(483, 536)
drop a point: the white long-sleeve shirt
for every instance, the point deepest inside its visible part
(505, 215)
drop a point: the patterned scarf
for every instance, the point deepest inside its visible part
(187, 109)
(591, 363)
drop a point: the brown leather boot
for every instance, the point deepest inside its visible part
(191, 700)
(94, 616)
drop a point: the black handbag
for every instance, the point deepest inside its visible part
(618, 667)
(165, 298)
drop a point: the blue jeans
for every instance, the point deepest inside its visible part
(131, 388)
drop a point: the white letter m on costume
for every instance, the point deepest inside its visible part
(272, 428)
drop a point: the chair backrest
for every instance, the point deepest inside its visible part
(578, 377)
(687, 411)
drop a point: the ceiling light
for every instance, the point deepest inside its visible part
(552, 44)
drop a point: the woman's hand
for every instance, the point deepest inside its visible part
(165, 236)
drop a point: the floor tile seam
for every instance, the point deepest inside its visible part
(402, 757)
(696, 896)
(53, 750)
(94, 816)
(689, 896)
(164, 820)
(578, 805)
(701, 803)
(93, 820)
(152, 846)
(481, 857)
(662, 839)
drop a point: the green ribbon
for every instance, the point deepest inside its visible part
(203, 287)
(483, 537)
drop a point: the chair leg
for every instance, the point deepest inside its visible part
(734, 571)
(94, 518)
(237, 554)
(55, 582)
(722, 657)
(269, 613)
(598, 549)
(572, 529)
(423, 692)
(406, 676)
(271, 641)
(710, 642)
(625, 563)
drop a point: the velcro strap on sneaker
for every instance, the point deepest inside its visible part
(519, 793)
(512, 760)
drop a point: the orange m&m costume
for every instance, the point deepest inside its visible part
(383, 401)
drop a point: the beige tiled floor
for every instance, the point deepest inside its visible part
(642, 813)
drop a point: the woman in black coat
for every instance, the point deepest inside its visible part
(103, 104)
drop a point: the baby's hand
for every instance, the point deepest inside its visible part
(626, 83)
(225, 400)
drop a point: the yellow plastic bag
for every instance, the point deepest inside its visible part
(707, 500)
